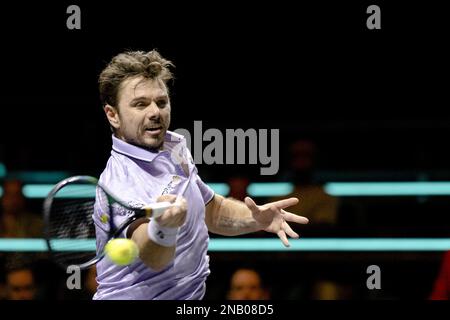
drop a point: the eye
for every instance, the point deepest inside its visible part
(140, 104)
(161, 103)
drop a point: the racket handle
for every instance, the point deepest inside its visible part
(158, 208)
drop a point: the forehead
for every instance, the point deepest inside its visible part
(246, 276)
(142, 87)
(20, 276)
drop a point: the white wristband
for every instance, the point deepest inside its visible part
(164, 236)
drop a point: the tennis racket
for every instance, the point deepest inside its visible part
(69, 225)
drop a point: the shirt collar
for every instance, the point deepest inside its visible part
(171, 139)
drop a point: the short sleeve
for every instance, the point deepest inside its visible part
(206, 191)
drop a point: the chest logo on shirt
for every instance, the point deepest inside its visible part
(172, 184)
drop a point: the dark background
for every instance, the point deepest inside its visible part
(372, 99)
(375, 101)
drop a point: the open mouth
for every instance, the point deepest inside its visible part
(154, 130)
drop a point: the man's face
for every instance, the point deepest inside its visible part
(246, 285)
(142, 116)
(20, 285)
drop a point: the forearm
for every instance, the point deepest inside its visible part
(153, 255)
(230, 217)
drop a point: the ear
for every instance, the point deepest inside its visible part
(113, 116)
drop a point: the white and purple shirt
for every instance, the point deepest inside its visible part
(139, 176)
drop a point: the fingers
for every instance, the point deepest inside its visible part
(179, 214)
(175, 200)
(291, 217)
(181, 203)
(251, 204)
(291, 233)
(282, 235)
(175, 216)
(167, 197)
(285, 203)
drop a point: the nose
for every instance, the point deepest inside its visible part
(153, 111)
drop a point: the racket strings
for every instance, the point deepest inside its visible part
(71, 230)
(72, 214)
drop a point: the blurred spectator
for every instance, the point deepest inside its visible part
(15, 220)
(247, 284)
(20, 279)
(441, 289)
(330, 290)
(315, 204)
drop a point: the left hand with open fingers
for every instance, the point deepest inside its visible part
(272, 217)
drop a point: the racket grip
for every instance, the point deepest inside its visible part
(158, 208)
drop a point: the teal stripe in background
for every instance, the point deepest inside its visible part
(272, 189)
(343, 189)
(220, 188)
(39, 177)
(269, 189)
(264, 244)
(359, 189)
(34, 191)
(72, 191)
(22, 245)
(335, 244)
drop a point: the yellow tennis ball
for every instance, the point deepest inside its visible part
(121, 251)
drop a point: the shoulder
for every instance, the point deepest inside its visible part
(117, 163)
(118, 169)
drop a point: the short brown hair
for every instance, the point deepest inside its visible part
(149, 65)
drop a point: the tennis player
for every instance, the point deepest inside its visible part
(149, 164)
